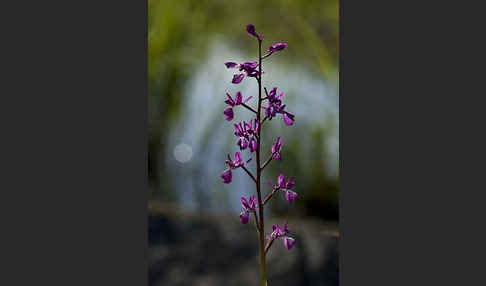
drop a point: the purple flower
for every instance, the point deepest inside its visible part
(277, 47)
(229, 113)
(288, 118)
(246, 133)
(275, 106)
(233, 103)
(290, 184)
(237, 78)
(277, 149)
(230, 65)
(242, 143)
(248, 67)
(278, 231)
(290, 196)
(244, 217)
(251, 32)
(227, 176)
(253, 145)
(247, 206)
(285, 185)
(250, 205)
(288, 242)
(281, 233)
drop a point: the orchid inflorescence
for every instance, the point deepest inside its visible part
(249, 137)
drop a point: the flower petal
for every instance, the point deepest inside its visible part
(251, 32)
(229, 113)
(237, 158)
(244, 217)
(237, 78)
(288, 118)
(227, 176)
(238, 98)
(281, 181)
(230, 65)
(290, 196)
(290, 184)
(277, 47)
(288, 242)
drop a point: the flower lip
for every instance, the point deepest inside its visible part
(237, 78)
(244, 217)
(227, 176)
(288, 242)
(229, 113)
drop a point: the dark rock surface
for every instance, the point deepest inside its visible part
(201, 249)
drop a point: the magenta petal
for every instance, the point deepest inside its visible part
(237, 78)
(290, 184)
(286, 228)
(227, 176)
(251, 32)
(246, 100)
(244, 203)
(242, 143)
(238, 98)
(277, 47)
(229, 113)
(237, 158)
(244, 217)
(229, 101)
(288, 242)
(288, 119)
(281, 181)
(253, 145)
(230, 65)
(291, 196)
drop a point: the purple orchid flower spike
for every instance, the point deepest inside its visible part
(249, 136)
(251, 32)
(277, 149)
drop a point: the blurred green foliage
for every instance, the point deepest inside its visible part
(178, 41)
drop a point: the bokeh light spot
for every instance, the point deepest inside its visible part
(183, 153)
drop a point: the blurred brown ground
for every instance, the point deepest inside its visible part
(205, 249)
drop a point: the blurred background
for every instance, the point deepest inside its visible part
(195, 237)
